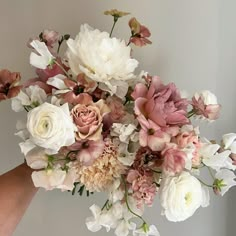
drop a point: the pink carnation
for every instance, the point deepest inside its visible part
(144, 190)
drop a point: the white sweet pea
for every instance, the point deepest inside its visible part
(124, 227)
(229, 141)
(207, 97)
(51, 127)
(57, 81)
(116, 193)
(225, 179)
(152, 231)
(48, 179)
(33, 96)
(43, 58)
(102, 58)
(215, 160)
(37, 158)
(180, 196)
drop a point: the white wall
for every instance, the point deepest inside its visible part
(193, 45)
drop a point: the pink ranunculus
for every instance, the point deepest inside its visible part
(140, 33)
(174, 159)
(9, 84)
(160, 103)
(205, 105)
(78, 90)
(144, 190)
(117, 108)
(88, 117)
(87, 151)
(50, 37)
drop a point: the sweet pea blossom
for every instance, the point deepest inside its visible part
(151, 231)
(205, 105)
(37, 158)
(43, 58)
(9, 84)
(225, 179)
(50, 37)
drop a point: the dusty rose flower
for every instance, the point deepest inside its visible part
(79, 89)
(103, 172)
(205, 104)
(88, 117)
(50, 37)
(9, 84)
(174, 159)
(87, 151)
(37, 81)
(117, 108)
(140, 33)
(144, 190)
(160, 103)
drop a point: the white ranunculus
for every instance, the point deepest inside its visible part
(180, 196)
(44, 58)
(103, 59)
(37, 158)
(51, 127)
(32, 96)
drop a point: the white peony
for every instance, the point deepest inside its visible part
(181, 196)
(103, 59)
(51, 127)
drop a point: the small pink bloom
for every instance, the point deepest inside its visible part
(144, 190)
(50, 37)
(88, 151)
(174, 159)
(117, 108)
(88, 117)
(140, 33)
(9, 84)
(205, 104)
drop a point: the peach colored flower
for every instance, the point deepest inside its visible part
(88, 117)
(9, 84)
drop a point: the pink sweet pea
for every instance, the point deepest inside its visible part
(174, 159)
(9, 84)
(140, 33)
(50, 37)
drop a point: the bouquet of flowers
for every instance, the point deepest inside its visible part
(94, 126)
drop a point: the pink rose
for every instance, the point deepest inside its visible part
(9, 84)
(205, 104)
(174, 159)
(88, 117)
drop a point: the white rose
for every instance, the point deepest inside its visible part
(51, 127)
(181, 196)
(103, 59)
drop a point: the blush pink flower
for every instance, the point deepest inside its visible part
(37, 81)
(88, 117)
(205, 105)
(144, 190)
(139, 32)
(153, 136)
(174, 159)
(117, 108)
(9, 84)
(79, 89)
(87, 151)
(50, 37)
(160, 103)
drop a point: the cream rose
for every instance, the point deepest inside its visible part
(181, 196)
(51, 127)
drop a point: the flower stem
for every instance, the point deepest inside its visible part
(127, 203)
(66, 73)
(113, 26)
(107, 201)
(208, 185)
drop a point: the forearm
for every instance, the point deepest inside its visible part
(16, 193)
